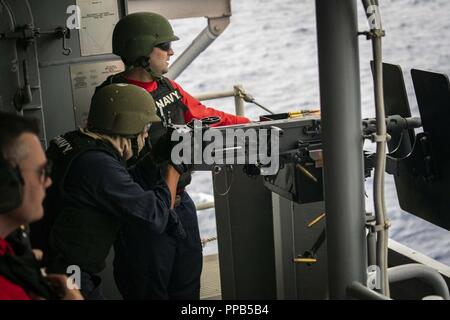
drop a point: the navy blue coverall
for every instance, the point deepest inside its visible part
(98, 180)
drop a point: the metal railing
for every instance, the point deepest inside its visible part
(238, 93)
(405, 272)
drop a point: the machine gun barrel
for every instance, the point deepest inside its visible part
(394, 123)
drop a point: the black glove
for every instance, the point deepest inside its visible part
(162, 148)
(175, 227)
(182, 168)
(184, 180)
(148, 165)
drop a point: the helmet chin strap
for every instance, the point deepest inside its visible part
(143, 62)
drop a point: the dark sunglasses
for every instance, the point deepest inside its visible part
(165, 46)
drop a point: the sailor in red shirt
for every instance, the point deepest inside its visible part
(158, 266)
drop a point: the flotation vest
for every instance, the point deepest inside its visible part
(78, 235)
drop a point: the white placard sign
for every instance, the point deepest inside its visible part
(85, 77)
(98, 18)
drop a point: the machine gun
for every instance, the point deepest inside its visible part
(292, 146)
(297, 174)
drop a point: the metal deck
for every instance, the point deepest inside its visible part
(210, 281)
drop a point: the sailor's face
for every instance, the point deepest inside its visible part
(159, 60)
(34, 174)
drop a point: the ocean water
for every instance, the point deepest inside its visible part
(270, 48)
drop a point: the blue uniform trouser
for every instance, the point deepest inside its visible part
(158, 266)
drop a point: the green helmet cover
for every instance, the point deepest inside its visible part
(136, 34)
(121, 109)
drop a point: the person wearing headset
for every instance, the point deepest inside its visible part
(24, 179)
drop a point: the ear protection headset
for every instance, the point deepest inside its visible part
(11, 186)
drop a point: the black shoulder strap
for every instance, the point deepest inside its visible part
(115, 78)
(166, 82)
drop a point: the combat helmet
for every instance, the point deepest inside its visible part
(136, 34)
(121, 109)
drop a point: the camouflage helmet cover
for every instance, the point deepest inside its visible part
(121, 109)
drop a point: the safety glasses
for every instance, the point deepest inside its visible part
(165, 46)
(45, 171)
